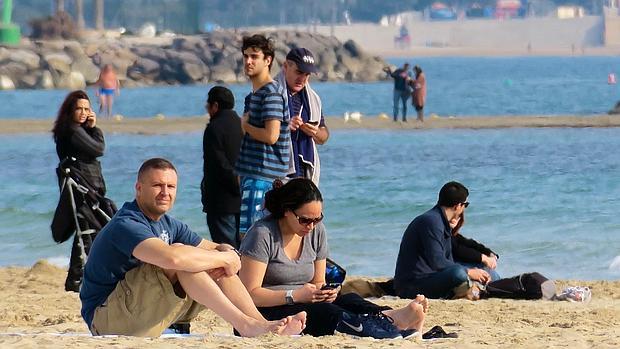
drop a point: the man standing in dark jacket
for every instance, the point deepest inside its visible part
(425, 263)
(221, 142)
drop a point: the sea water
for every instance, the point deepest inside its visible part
(545, 200)
(457, 86)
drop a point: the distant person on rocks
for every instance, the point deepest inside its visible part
(108, 86)
(419, 92)
(425, 263)
(266, 146)
(283, 267)
(402, 91)
(469, 252)
(147, 270)
(76, 135)
(221, 141)
(307, 124)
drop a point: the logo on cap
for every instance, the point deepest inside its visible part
(308, 59)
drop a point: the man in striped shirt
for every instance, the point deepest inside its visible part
(265, 149)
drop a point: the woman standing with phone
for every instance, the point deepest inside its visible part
(76, 135)
(283, 258)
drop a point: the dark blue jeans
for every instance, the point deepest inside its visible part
(436, 285)
(224, 228)
(400, 97)
(494, 275)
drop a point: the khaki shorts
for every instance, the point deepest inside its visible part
(143, 304)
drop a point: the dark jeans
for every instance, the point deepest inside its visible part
(436, 285)
(494, 274)
(224, 228)
(400, 97)
(323, 318)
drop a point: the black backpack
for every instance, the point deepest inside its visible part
(523, 286)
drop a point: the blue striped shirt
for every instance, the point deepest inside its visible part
(257, 159)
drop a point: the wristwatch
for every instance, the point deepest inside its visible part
(289, 297)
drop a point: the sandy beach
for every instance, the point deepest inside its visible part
(35, 312)
(168, 125)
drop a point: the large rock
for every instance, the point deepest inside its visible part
(58, 62)
(13, 70)
(72, 81)
(222, 74)
(28, 80)
(74, 50)
(6, 83)
(85, 66)
(144, 68)
(28, 58)
(45, 81)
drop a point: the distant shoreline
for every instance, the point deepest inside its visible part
(192, 124)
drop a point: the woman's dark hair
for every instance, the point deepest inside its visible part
(417, 70)
(291, 196)
(65, 113)
(261, 43)
(457, 229)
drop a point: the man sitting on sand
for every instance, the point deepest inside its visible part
(425, 264)
(147, 270)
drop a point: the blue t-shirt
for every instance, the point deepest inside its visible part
(111, 257)
(257, 159)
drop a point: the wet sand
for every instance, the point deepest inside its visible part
(169, 125)
(35, 312)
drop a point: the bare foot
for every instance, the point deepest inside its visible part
(409, 317)
(295, 324)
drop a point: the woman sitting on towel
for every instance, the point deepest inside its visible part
(76, 135)
(283, 267)
(471, 253)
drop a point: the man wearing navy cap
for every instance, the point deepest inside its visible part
(307, 122)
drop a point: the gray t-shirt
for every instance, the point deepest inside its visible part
(263, 242)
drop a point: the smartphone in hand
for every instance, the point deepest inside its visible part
(330, 286)
(314, 123)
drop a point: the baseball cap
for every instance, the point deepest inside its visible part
(303, 58)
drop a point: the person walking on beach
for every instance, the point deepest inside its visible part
(265, 149)
(283, 259)
(221, 141)
(307, 124)
(402, 92)
(419, 92)
(108, 86)
(77, 136)
(425, 263)
(147, 270)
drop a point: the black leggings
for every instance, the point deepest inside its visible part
(324, 317)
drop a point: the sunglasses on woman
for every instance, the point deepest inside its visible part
(307, 221)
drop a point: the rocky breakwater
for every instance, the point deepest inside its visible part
(208, 58)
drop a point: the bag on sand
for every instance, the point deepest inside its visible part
(523, 286)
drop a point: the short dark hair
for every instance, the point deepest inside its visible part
(260, 42)
(222, 96)
(291, 196)
(155, 163)
(452, 193)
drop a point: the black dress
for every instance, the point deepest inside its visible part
(85, 145)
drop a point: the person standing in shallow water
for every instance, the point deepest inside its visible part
(419, 92)
(76, 135)
(402, 91)
(108, 86)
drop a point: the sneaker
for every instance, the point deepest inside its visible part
(406, 334)
(180, 328)
(364, 325)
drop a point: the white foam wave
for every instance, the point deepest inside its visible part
(59, 261)
(615, 264)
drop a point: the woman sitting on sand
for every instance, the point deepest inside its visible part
(283, 267)
(470, 253)
(76, 135)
